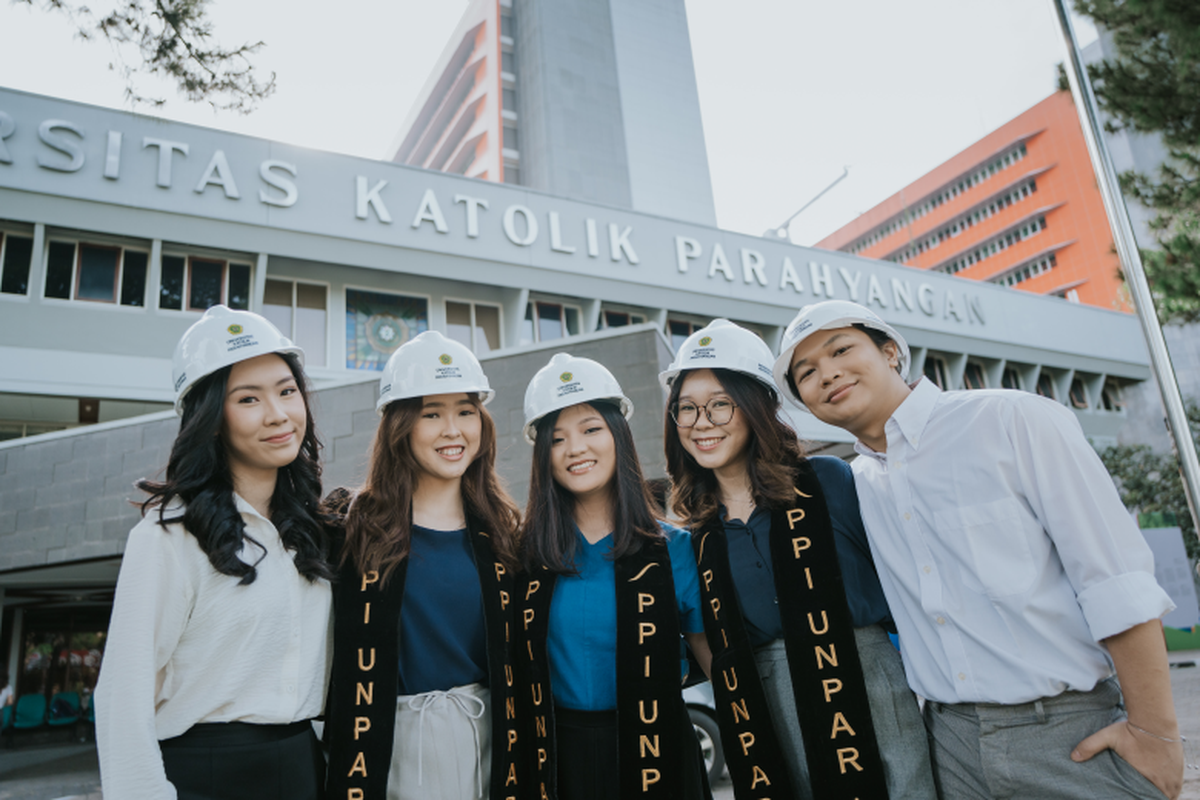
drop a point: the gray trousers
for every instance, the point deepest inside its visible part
(986, 751)
(903, 743)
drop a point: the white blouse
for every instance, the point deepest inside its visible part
(187, 645)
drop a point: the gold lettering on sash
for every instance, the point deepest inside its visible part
(643, 571)
(540, 722)
(500, 570)
(544, 795)
(812, 626)
(740, 708)
(708, 579)
(533, 587)
(541, 756)
(366, 667)
(647, 672)
(759, 777)
(800, 544)
(645, 744)
(802, 494)
(503, 599)
(367, 614)
(808, 577)
(644, 601)
(731, 680)
(794, 516)
(642, 711)
(716, 607)
(366, 693)
(832, 686)
(360, 765)
(537, 694)
(508, 675)
(512, 739)
(369, 577)
(510, 707)
(840, 724)
(529, 614)
(646, 629)
(361, 725)
(848, 755)
(506, 636)
(746, 738)
(831, 656)
(649, 776)
(354, 794)
(512, 775)
(725, 638)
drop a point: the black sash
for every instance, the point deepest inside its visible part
(653, 758)
(360, 714)
(831, 697)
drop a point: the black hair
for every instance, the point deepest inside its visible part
(198, 474)
(548, 534)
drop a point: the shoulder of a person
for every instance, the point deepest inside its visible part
(830, 468)
(673, 533)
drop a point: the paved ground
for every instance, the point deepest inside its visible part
(70, 772)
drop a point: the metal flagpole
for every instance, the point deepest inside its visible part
(1131, 261)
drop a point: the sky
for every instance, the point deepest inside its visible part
(791, 91)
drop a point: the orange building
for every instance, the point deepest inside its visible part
(1020, 208)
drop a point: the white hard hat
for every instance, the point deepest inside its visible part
(567, 381)
(722, 345)
(220, 338)
(432, 364)
(823, 316)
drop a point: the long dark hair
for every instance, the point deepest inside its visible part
(198, 474)
(379, 521)
(774, 453)
(548, 535)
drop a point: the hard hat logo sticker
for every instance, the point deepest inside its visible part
(234, 329)
(445, 358)
(565, 377)
(706, 341)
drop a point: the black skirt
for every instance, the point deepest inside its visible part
(240, 761)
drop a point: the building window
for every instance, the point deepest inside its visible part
(512, 173)
(973, 377)
(195, 284)
(508, 63)
(935, 370)
(1011, 379)
(18, 430)
(619, 319)
(508, 99)
(509, 140)
(299, 310)
(506, 25)
(1045, 386)
(377, 323)
(545, 322)
(16, 253)
(1111, 398)
(680, 330)
(97, 273)
(474, 324)
(1078, 394)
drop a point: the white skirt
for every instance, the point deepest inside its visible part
(443, 745)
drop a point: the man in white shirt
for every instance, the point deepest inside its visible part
(1016, 577)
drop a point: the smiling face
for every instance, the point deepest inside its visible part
(583, 454)
(846, 380)
(264, 418)
(445, 439)
(716, 447)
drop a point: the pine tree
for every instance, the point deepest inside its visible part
(1153, 86)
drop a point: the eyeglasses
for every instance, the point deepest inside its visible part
(719, 412)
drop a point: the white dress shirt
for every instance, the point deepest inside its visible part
(187, 644)
(1003, 548)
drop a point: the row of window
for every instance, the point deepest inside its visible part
(1034, 268)
(944, 195)
(968, 220)
(974, 378)
(999, 244)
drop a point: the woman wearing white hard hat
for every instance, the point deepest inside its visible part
(423, 605)
(609, 588)
(1024, 593)
(217, 657)
(787, 572)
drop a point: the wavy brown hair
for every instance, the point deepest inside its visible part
(379, 521)
(774, 455)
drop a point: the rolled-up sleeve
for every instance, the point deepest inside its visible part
(1103, 553)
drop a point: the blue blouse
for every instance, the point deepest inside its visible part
(754, 574)
(443, 638)
(583, 620)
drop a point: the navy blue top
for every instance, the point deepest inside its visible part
(442, 631)
(582, 639)
(754, 574)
